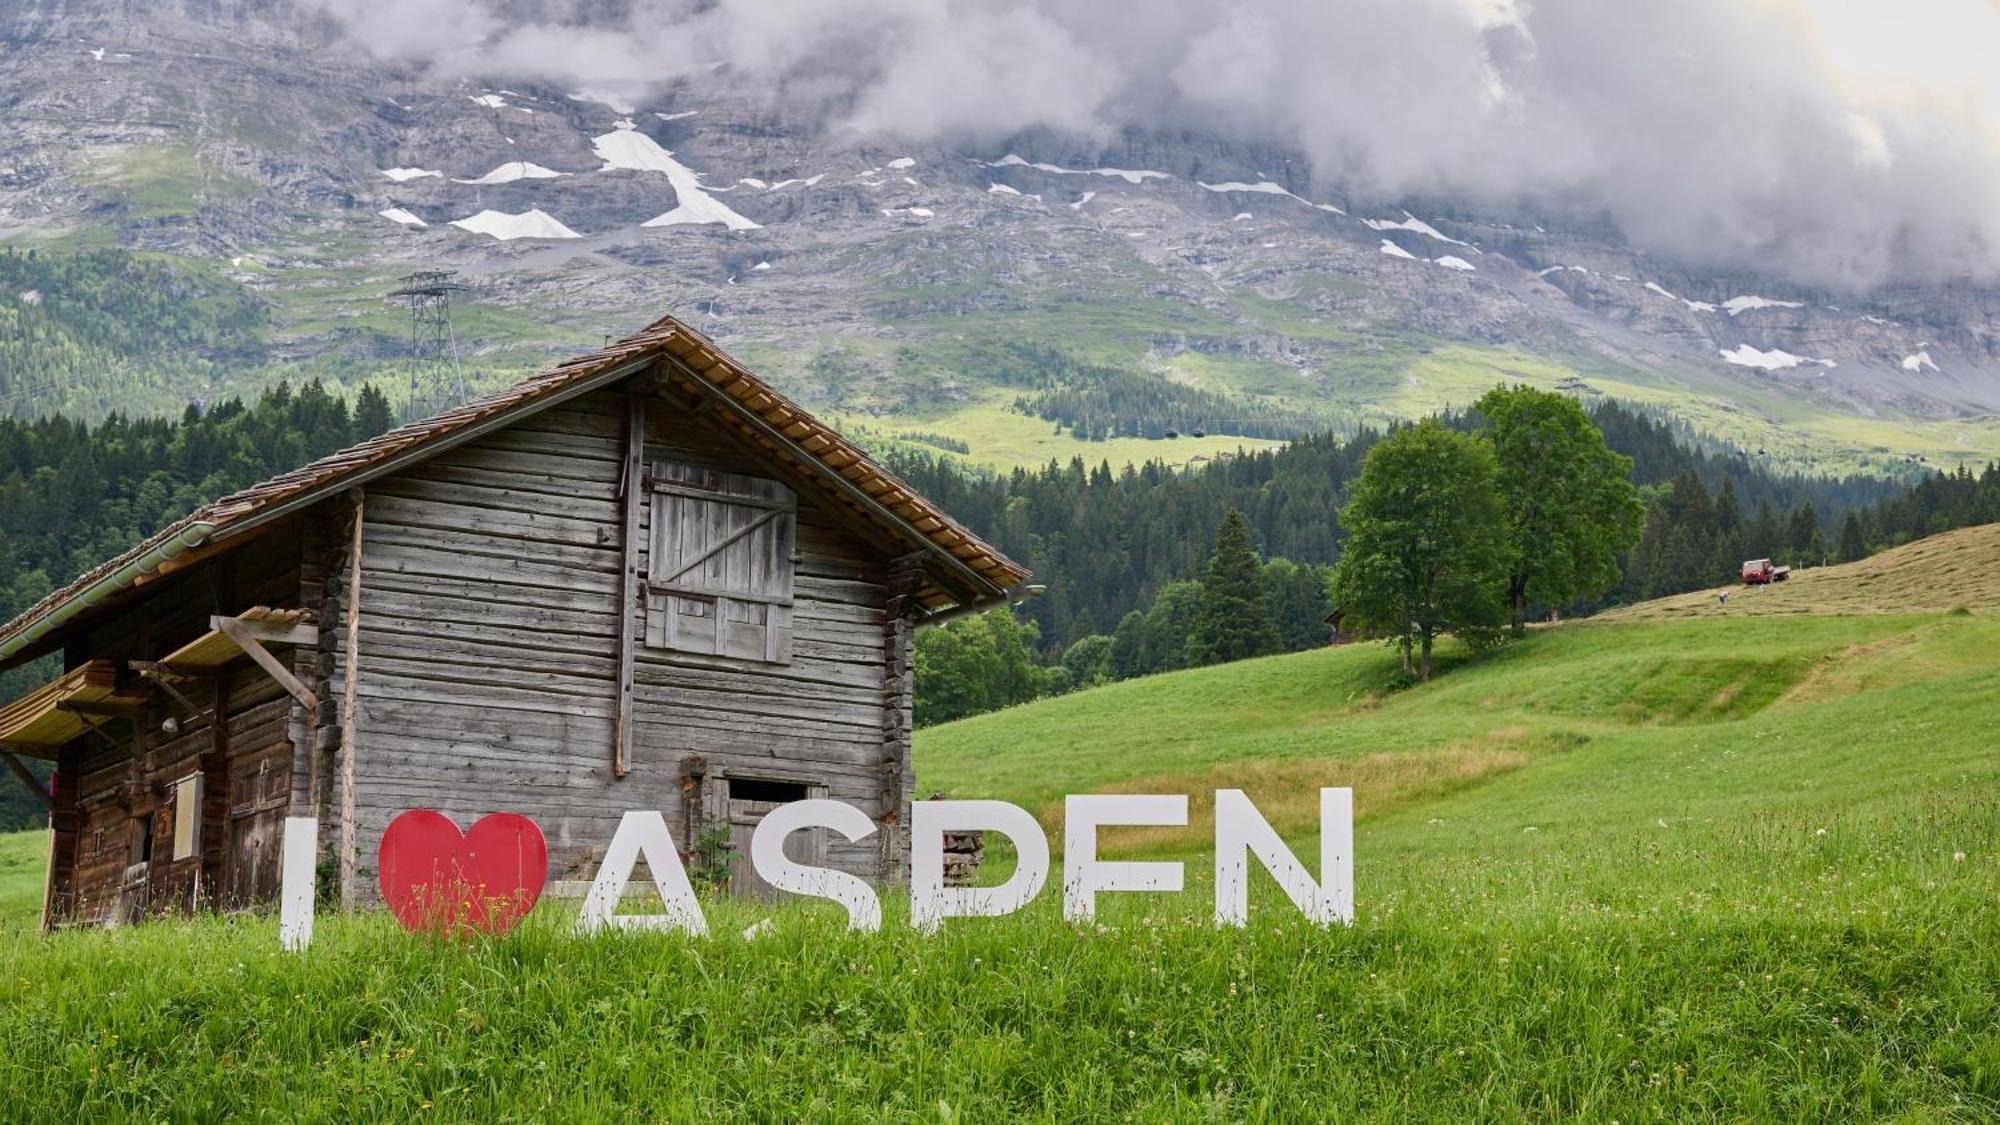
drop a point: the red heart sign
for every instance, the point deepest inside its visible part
(436, 879)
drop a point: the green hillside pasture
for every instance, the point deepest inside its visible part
(1599, 698)
(24, 856)
(1636, 872)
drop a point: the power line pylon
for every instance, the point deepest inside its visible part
(436, 382)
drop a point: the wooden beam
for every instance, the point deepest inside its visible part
(631, 487)
(253, 648)
(28, 779)
(302, 633)
(724, 543)
(157, 675)
(349, 688)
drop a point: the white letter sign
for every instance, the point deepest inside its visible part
(1240, 829)
(931, 901)
(1084, 874)
(642, 834)
(299, 883)
(767, 856)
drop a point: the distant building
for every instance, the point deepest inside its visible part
(642, 580)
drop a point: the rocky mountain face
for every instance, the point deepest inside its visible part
(253, 142)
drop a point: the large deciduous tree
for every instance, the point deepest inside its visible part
(1571, 507)
(1428, 550)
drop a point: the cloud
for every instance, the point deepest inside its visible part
(1831, 147)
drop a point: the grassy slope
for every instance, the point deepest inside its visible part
(1638, 870)
(1958, 569)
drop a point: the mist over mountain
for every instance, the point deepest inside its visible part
(1718, 132)
(1778, 223)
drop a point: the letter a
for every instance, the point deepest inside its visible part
(642, 835)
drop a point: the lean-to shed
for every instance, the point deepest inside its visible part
(642, 580)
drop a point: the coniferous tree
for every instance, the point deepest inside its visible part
(1853, 546)
(371, 413)
(1234, 622)
(1802, 538)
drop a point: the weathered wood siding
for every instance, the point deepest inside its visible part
(113, 787)
(488, 648)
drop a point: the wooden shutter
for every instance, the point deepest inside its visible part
(719, 572)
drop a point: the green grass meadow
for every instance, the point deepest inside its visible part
(1653, 870)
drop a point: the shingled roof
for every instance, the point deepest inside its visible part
(758, 415)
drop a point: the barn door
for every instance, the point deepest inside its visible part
(719, 571)
(742, 803)
(260, 792)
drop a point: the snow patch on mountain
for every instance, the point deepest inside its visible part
(1129, 175)
(1453, 262)
(633, 150)
(1001, 189)
(398, 215)
(1086, 197)
(807, 182)
(1265, 187)
(534, 223)
(1415, 225)
(1698, 306)
(515, 170)
(1918, 362)
(686, 113)
(1777, 359)
(490, 101)
(1395, 251)
(903, 162)
(404, 175)
(1747, 302)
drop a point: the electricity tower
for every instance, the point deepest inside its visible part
(436, 382)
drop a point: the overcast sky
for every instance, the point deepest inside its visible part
(1845, 144)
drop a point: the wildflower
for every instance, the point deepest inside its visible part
(1958, 857)
(1820, 833)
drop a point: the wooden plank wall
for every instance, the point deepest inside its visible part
(127, 776)
(488, 648)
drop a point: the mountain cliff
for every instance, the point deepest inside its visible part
(249, 144)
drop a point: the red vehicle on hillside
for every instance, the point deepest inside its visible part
(1761, 572)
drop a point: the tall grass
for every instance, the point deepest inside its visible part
(1783, 905)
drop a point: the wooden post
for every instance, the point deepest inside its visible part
(64, 829)
(631, 489)
(349, 743)
(906, 578)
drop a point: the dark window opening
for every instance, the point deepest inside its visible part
(764, 789)
(142, 839)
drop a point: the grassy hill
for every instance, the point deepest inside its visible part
(1743, 865)
(1956, 570)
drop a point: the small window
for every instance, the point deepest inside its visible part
(187, 816)
(719, 567)
(766, 790)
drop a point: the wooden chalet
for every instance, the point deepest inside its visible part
(642, 580)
